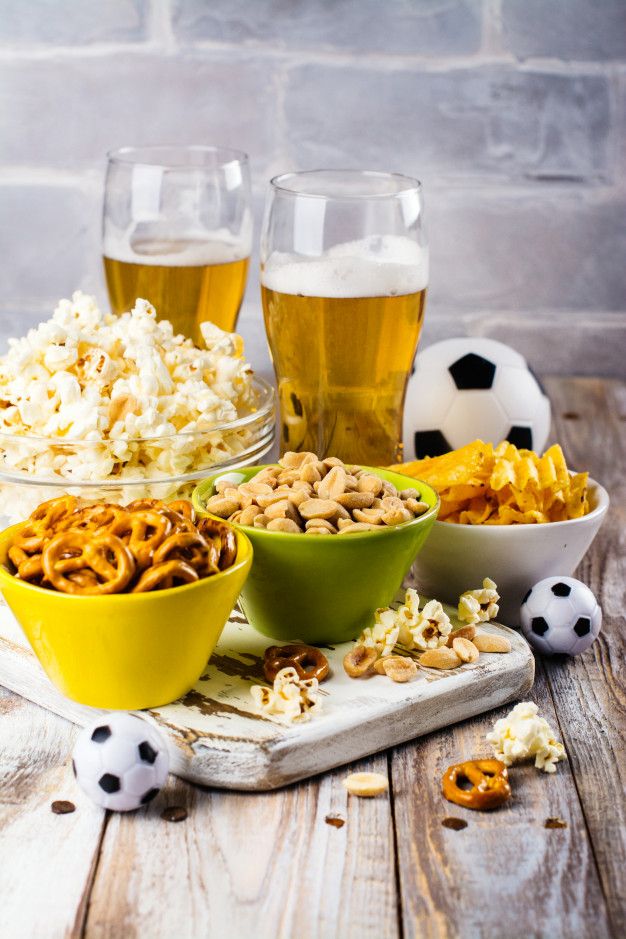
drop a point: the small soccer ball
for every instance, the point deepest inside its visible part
(120, 761)
(560, 614)
(464, 389)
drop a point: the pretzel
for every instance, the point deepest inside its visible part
(50, 513)
(223, 537)
(143, 531)
(184, 508)
(102, 553)
(163, 576)
(490, 784)
(92, 517)
(28, 566)
(308, 661)
(190, 547)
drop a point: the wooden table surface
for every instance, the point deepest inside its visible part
(269, 865)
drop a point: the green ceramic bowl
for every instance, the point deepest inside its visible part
(325, 589)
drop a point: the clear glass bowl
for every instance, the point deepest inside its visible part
(35, 469)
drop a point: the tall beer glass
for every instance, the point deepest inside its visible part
(177, 231)
(344, 270)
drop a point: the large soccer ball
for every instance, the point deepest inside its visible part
(464, 389)
(560, 614)
(120, 761)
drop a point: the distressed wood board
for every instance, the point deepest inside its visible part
(217, 737)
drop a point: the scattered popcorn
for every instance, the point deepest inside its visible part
(110, 382)
(291, 699)
(479, 606)
(383, 635)
(522, 734)
(431, 628)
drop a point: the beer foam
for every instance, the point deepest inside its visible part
(378, 266)
(188, 250)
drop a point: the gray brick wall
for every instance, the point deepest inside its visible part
(512, 112)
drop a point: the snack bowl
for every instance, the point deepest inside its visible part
(35, 469)
(125, 651)
(325, 589)
(458, 557)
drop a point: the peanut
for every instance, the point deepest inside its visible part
(465, 632)
(443, 657)
(366, 785)
(359, 661)
(465, 649)
(318, 508)
(489, 642)
(399, 667)
(283, 524)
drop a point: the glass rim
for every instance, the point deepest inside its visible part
(131, 156)
(411, 184)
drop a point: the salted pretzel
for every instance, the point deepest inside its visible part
(143, 531)
(489, 784)
(190, 547)
(102, 547)
(103, 553)
(308, 661)
(165, 575)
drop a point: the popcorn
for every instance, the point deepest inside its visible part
(408, 625)
(522, 734)
(292, 699)
(102, 384)
(383, 635)
(479, 606)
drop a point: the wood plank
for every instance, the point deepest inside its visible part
(590, 690)
(262, 866)
(47, 860)
(505, 874)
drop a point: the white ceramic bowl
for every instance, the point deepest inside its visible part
(456, 557)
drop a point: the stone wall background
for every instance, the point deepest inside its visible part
(512, 112)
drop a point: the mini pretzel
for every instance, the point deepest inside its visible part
(190, 547)
(308, 661)
(165, 575)
(143, 531)
(92, 517)
(50, 513)
(223, 537)
(102, 552)
(184, 508)
(28, 566)
(490, 784)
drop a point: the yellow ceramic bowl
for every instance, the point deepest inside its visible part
(125, 651)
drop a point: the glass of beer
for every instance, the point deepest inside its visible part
(177, 231)
(344, 270)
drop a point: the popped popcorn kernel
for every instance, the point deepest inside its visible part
(522, 734)
(291, 699)
(479, 606)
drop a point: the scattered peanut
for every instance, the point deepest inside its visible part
(443, 657)
(465, 649)
(359, 661)
(488, 642)
(366, 785)
(465, 632)
(399, 667)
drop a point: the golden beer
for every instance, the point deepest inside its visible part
(342, 365)
(187, 294)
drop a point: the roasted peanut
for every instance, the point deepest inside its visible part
(399, 668)
(443, 657)
(489, 642)
(359, 661)
(465, 649)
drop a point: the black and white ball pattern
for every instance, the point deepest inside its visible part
(560, 614)
(120, 761)
(463, 389)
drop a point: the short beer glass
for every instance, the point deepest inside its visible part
(344, 271)
(177, 231)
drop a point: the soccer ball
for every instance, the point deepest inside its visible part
(464, 389)
(120, 761)
(560, 614)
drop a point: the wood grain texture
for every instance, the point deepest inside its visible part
(505, 874)
(46, 860)
(263, 866)
(590, 690)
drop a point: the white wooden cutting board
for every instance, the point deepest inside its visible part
(217, 738)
